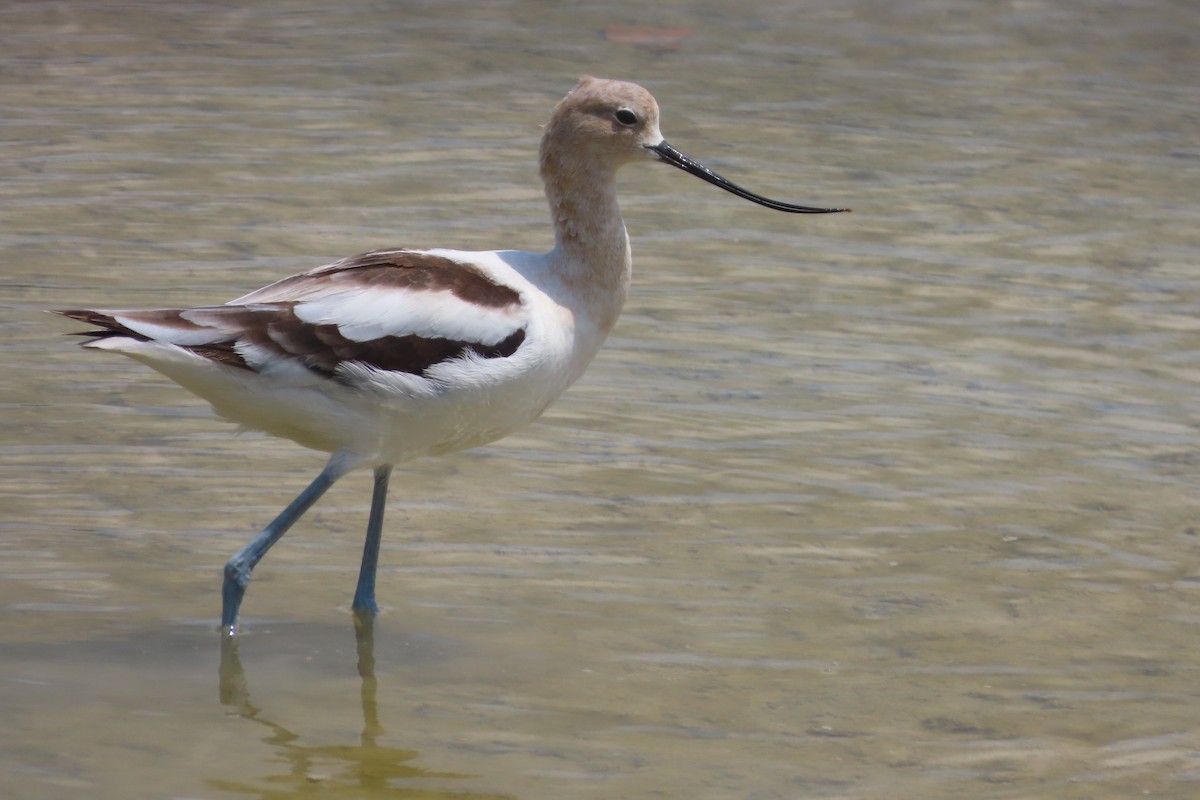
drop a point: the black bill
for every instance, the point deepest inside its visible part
(677, 159)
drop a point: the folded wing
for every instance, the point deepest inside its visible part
(392, 310)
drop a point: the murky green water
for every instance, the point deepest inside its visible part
(892, 504)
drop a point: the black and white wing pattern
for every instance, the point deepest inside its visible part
(399, 311)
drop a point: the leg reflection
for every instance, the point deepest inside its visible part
(382, 771)
(233, 688)
(364, 636)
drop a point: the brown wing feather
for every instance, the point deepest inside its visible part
(395, 269)
(323, 348)
(274, 328)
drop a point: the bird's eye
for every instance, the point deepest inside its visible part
(626, 116)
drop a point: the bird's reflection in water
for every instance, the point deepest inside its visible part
(365, 770)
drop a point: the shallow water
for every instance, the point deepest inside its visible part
(891, 504)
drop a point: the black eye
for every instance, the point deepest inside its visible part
(626, 116)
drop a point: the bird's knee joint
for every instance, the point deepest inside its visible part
(236, 573)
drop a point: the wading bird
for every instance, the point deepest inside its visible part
(393, 354)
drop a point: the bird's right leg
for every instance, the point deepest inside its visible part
(238, 569)
(364, 604)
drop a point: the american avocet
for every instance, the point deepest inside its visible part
(393, 354)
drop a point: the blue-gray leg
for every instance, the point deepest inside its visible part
(237, 571)
(364, 596)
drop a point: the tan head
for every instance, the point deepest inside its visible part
(606, 123)
(601, 125)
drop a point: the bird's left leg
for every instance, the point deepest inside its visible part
(237, 571)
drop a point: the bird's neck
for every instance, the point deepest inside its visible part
(591, 248)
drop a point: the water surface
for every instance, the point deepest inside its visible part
(891, 504)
